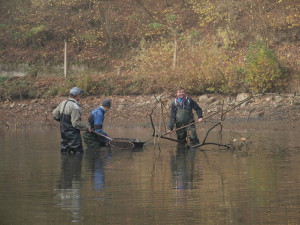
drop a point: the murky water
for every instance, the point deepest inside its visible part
(168, 185)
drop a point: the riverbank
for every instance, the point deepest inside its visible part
(278, 110)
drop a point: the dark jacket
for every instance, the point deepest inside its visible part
(188, 104)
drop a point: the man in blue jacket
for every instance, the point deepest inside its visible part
(95, 121)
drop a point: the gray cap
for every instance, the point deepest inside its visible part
(106, 103)
(76, 91)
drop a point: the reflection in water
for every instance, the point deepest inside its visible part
(70, 184)
(183, 172)
(182, 166)
(96, 161)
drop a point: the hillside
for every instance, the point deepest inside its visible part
(218, 46)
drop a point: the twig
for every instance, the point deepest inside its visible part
(210, 130)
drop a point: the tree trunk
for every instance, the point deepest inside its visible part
(105, 19)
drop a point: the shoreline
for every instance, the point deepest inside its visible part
(282, 111)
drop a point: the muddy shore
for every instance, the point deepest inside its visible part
(275, 111)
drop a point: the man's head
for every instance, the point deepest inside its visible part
(180, 92)
(106, 103)
(75, 92)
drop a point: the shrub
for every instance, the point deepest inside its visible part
(263, 70)
(200, 68)
(3, 79)
(87, 83)
(17, 88)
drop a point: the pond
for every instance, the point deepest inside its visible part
(163, 184)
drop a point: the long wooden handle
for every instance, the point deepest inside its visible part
(186, 126)
(181, 128)
(109, 138)
(192, 123)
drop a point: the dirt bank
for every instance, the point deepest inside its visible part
(283, 110)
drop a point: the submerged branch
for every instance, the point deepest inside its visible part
(212, 143)
(223, 112)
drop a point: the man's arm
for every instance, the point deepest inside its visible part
(172, 116)
(197, 108)
(56, 113)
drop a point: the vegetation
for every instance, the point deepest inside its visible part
(147, 46)
(263, 71)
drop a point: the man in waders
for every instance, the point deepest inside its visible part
(69, 115)
(95, 121)
(182, 115)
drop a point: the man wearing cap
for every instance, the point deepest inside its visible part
(95, 121)
(69, 115)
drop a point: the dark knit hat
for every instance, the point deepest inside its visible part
(106, 103)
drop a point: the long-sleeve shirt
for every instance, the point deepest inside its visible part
(72, 108)
(186, 103)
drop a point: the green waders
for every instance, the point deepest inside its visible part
(91, 140)
(185, 117)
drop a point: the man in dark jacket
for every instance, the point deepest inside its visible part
(95, 121)
(69, 115)
(182, 114)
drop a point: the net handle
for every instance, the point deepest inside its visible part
(95, 132)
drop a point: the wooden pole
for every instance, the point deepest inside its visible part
(65, 60)
(175, 51)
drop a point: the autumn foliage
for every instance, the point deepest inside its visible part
(147, 46)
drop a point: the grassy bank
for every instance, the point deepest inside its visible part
(204, 69)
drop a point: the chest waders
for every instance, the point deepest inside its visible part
(70, 136)
(91, 139)
(184, 117)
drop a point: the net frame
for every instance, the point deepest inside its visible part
(118, 143)
(121, 144)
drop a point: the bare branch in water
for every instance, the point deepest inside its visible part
(160, 102)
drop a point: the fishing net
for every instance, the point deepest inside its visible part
(121, 144)
(117, 143)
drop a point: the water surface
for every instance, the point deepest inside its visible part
(163, 185)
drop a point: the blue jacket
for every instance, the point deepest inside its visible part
(96, 120)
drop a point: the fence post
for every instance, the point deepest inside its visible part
(65, 60)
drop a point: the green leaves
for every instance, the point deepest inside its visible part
(263, 70)
(155, 25)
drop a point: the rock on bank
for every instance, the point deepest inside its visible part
(135, 110)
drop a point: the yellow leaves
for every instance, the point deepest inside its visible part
(206, 10)
(229, 37)
(240, 139)
(293, 20)
(203, 66)
(263, 69)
